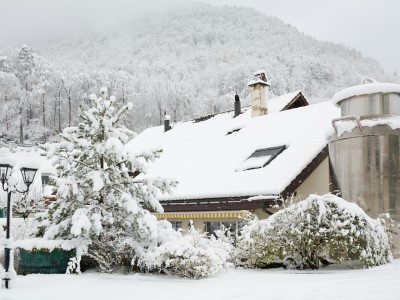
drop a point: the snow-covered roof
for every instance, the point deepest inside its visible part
(28, 158)
(279, 103)
(205, 159)
(365, 89)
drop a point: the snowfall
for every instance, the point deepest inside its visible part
(327, 283)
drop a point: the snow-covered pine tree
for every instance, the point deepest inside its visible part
(97, 199)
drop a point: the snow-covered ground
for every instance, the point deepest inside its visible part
(328, 283)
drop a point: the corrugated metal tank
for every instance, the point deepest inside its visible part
(365, 149)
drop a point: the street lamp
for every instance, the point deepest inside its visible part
(9, 185)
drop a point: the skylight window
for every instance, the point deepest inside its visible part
(260, 158)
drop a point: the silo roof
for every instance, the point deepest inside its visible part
(365, 89)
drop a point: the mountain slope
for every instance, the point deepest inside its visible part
(191, 60)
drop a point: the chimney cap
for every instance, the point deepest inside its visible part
(259, 77)
(259, 72)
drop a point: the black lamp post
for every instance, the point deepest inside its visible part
(9, 185)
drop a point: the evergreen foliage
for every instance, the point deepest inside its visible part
(97, 198)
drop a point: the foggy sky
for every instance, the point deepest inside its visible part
(370, 26)
(27, 21)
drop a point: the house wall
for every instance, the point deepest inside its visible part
(261, 214)
(317, 183)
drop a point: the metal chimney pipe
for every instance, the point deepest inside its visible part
(238, 108)
(167, 125)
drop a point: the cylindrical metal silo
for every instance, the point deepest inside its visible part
(365, 150)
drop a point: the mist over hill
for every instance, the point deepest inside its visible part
(190, 61)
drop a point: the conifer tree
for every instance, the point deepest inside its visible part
(98, 200)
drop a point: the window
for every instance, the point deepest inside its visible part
(176, 225)
(45, 179)
(232, 227)
(260, 158)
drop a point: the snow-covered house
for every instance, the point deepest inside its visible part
(27, 157)
(242, 160)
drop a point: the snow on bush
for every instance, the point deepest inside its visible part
(24, 204)
(21, 229)
(316, 228)
(191, 254)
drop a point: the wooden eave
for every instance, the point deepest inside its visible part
(217, 204)
(298, 101)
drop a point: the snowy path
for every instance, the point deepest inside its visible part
(377, 283)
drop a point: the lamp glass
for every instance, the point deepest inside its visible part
(5, 171)
(28, 175)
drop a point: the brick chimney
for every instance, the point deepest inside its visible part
(259, 94)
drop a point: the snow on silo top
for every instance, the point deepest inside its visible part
(365, 89)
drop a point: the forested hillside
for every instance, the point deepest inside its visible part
(189, 61)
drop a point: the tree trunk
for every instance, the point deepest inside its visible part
(59, 112)
(102, 167)
(55, 111)
(21, 128)
(69, 111)
(123, 95)
(44, 113)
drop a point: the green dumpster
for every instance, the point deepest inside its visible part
(43, 261)
(1, 213)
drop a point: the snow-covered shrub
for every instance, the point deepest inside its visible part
(316, 228)
(191, 254)
(250, 244)
(30, 203)
(21, 229)
(392, 229)
(98, 200)
(195, 255)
